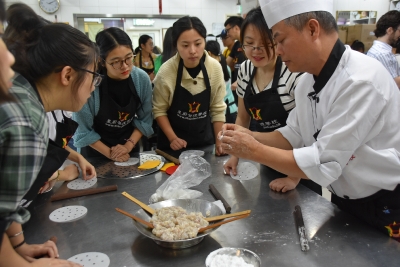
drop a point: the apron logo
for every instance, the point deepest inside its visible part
(393, 230)
(255, 113)
(65, 140)
(123, 116)
(194, 107)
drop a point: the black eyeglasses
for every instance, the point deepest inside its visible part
(97, 77)
(118, 63)
(227, 30)
(259, 48)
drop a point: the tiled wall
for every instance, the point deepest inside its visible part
(209, 11)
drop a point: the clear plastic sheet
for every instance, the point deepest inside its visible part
(192, 171)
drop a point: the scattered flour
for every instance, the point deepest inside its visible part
(229, 261)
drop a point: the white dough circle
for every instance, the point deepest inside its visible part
(91, 259)
(79, 184)
(245, 171)
(130, 162)
(68, 214)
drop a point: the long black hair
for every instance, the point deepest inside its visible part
(214, 48)
(41, 48)
(168, 48)
(256, 18)
(142, 41)
(187, 23)
(109, 39)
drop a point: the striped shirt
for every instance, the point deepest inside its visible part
(286, 85)
(383, 53)
(23, 147)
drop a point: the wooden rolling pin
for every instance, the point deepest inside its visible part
(168, 156)
(85, 192)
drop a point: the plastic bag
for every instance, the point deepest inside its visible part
(192, 171)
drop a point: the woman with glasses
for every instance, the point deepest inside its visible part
(54, 69)
(118, 113)
(144, 55)
(265, 88)
(189, 91)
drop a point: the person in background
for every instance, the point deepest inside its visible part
(388, 33)
(228, 43)
(358, 46)
(266, 90)
(236, 57)
(344, 132)
(168, 51)
(41, 84)
(145, 57)
(118, 112)
(213, 49)
(189, 91)
(61, 130)
(397, 52)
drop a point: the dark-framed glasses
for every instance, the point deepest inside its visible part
(258, 48)
(226, 31)
(97, 77)
(118, 63)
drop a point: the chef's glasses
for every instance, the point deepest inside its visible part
(117, 64)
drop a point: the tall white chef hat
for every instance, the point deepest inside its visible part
(277, 10)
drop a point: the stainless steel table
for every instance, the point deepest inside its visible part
(336, 238)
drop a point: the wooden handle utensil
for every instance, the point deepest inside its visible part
(223, 222)
(168, 156)
(148, 224)
(221, 217)
(140, 203)
(79, 193)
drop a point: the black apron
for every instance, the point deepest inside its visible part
(56, 155)
(148, 71)
(266, 107)
(114, 123)
(189, 115)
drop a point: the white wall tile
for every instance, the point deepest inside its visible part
(67, 12)
(125, 3)
(194, 12)
(89, 10)
(145, 3)
(174, 3)
(177, 11)
(108, 10)
(210, 4)
(83, 3)
(126, 10)
(74, 3)
(107, 3)
(190, 4)
(144, 10)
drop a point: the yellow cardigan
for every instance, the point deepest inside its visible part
(164, 86)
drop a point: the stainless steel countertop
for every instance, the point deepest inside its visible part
(335, 238)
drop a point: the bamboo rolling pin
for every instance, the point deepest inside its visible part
(168, 156)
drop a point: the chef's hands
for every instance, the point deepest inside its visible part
(237, 141)
(30, 252)
(230, 167)
(284, 184)
(88, 170)
(178, 144)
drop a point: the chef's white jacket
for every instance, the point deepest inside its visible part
(357, 150)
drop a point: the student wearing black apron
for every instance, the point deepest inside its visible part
(119, 112)
(144, 55)
(189, 90)
(267, 99)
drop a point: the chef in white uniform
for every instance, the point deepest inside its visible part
(344, 133)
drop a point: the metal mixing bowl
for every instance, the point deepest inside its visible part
(207, 208)
(247, 255)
